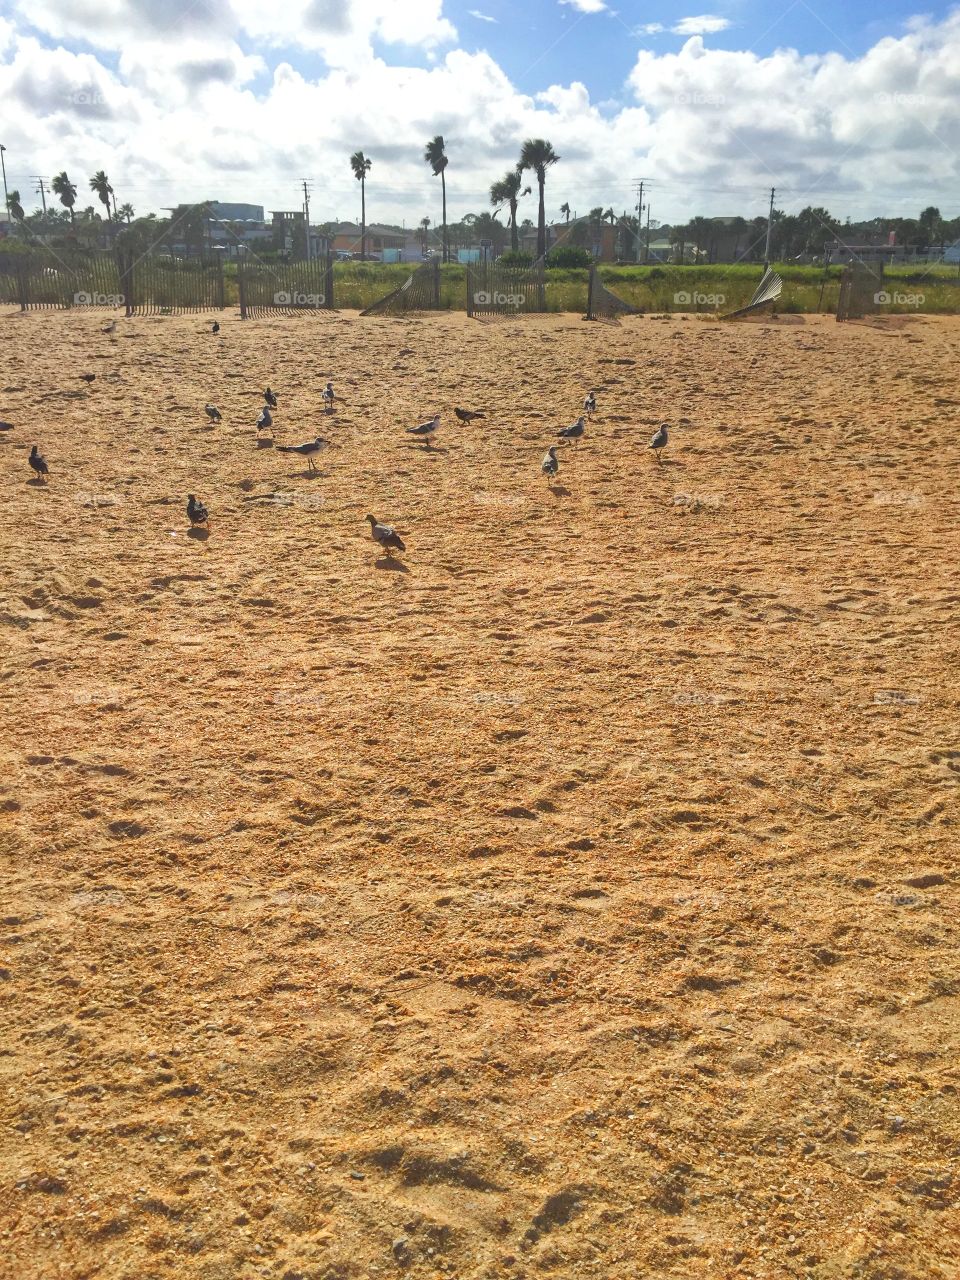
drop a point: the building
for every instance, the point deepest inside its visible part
(599, 241)
(382, 243)
(289, 233)
(236, 212)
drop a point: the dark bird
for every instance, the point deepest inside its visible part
(550, 465)
(88, 377)
(6, 426)
(216, 326)
(212, 412)
(659, 440)
(426, 429)
(265, 420)
(305, 450)
(574, 431)
(387, 536)
(590, 403)
(111, 327)
(270, 398)
(38, 462)
(466, 415)
(328, 397)
(196, 511)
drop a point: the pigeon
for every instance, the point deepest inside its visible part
(328, 397)
(387, 536)
(306, 450)
(216, 327)
(38, 462)
(212, 412)
(550, 465)
(111, 327)
(426, 429)
(270, 398)
(87, 377)
(6, 426)
(196, 511)
(265, 420)
(466, 415)
(659, 440)
(574, 431)
(590, 403)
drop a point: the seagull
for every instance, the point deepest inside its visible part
(426, 429)
(38, 462)
(659, 441)
(111, 327)
(87, 377)
(466, 415)
(387, 536)
(328, 397)
(6, 426)
(270, 398)
(550, 465)
(264, 420)
(574, 431)
(196, 511)
(216, 327)
(212, 412)
(590, 403)
(306, 450)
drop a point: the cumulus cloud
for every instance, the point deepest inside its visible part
(705, 25)
(586, 6)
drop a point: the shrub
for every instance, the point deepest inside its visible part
(568, 256)
(518, 259)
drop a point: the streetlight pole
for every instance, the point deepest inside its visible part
(6, 206)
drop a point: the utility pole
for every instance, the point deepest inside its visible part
(41, 191)
(766, 252)
(646, 251)
(638, 184)
(306, 210)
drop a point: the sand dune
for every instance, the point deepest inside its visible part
(573, 895)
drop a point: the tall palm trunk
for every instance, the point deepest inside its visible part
(542, 220)
(363, 219)
(514, 238)
(443, 188)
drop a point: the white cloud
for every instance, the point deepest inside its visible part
(650, 29)
(481, 17)
(707, 24)
(586, 6)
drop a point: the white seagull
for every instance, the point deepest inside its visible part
(550, 464)
(426, 429)
(659, 440)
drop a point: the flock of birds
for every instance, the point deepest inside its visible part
(383, 534)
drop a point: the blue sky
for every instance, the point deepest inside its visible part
(852, 105)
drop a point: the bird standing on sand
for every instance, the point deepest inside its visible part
(574, 431)
(111, 327)
(265, 420)
(426, 429)
(328, 397)
(212, 412)
(196, 511)
(590, 403)
(88, 378)
(466, 415)
(270, 398)
(387, 536)
(216, 327)
(550, 465)
(306, 450)
(38, 462)
(659, 440)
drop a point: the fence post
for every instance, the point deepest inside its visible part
(469, 292)
(221, 291)
(541, 287)
(240, 286)
(436, 285)
(22, 284)
(590, 280)
(328, 281)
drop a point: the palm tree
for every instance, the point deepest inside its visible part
(565, 210)
(100, 183)
(507, 191)
(126, 212)
(538, 155)
(14, 207)
(361, 167)
(424, 233)
(64, 188)
(435, 156)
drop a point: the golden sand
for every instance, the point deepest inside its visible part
(574, 895)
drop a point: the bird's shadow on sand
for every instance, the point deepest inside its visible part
(38, 482)
(669, 462)
(264, 444)
(559, 490)
(422, 447)
(306, 474)
(198, 534)
(388, 562)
